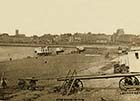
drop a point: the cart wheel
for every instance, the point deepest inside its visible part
(79, 85)
(128, 81)
(21, 84)
(135, 80)
(117, 69)
(122, 84)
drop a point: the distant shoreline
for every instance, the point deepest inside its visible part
(63, 45)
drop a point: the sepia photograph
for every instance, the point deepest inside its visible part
(69, 50)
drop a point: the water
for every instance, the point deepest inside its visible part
(7, 52)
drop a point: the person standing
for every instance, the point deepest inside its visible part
(3, 83)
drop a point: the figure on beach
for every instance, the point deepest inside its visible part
(3, 83)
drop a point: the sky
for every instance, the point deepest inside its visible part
(38, 17)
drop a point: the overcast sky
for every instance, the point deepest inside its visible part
(60, 16)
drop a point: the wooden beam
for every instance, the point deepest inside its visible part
(88, 77)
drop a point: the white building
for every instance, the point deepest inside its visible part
(132, 59)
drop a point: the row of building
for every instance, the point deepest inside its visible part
(119, 37)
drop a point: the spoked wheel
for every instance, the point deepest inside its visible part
(128, 81)
(73, 87)
(78, 85)
(21, 84)
(122, 84)
(135, 80)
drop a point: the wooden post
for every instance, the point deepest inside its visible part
(68, 92)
